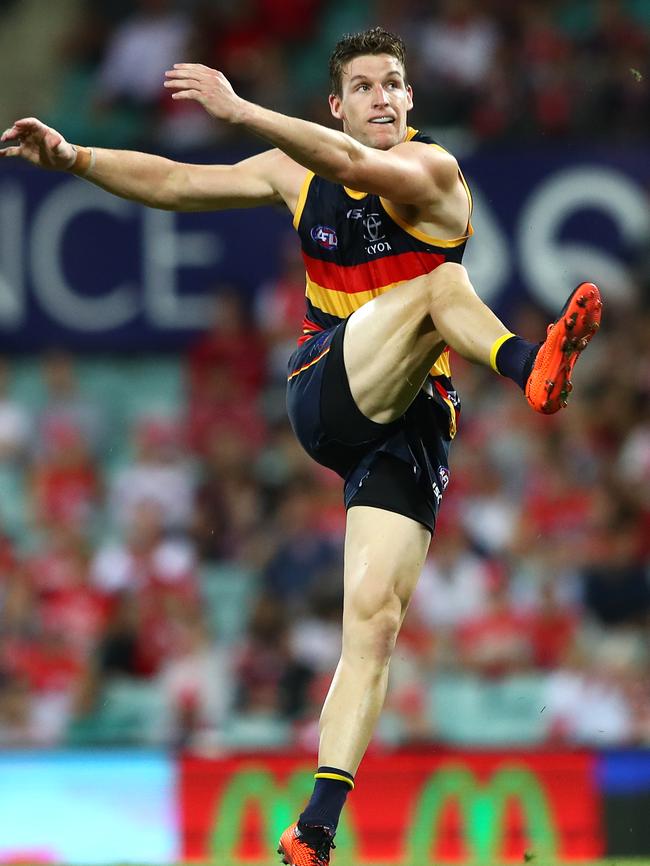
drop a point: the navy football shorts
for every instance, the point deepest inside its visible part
(402, 466)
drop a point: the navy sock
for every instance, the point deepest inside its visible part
(515, 358)
(327, 799)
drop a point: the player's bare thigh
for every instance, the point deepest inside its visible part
(391, 343)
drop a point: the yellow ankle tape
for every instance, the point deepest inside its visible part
(335, 776)
(495, 348)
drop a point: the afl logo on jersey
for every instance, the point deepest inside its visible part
(325, 237)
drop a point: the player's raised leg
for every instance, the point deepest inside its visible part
(392, 341)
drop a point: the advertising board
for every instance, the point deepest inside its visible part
(408, 808)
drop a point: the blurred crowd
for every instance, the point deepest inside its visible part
(177, 579)
(494, 70)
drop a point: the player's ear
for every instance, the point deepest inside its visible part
(409, 97)
(335, 106)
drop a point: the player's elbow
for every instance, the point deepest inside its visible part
(173, 191)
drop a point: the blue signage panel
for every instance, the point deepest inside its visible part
(624, 771)
(84, 269)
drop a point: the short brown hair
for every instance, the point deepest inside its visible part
(374, 41)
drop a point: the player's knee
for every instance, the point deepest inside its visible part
(370, 634)
(447, 282)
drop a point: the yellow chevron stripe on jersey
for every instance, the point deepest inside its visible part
(341, 304)
(302, 198)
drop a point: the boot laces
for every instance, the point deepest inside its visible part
(322, 851)
(320, 847)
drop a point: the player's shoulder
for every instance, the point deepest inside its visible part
(442, 164)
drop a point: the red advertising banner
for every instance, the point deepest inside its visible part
(409, 808)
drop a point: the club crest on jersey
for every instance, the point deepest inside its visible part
(325, 237)
(373, 234)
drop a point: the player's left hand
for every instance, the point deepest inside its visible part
(209, 87)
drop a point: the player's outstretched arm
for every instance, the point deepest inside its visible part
(411, 173)
(149, 179)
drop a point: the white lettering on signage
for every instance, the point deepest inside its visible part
(12, 274)
(550, 266)
(166, 251)
(58, 298)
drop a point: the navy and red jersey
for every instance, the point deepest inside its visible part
(356, 247)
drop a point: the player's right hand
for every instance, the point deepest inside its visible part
(37, 143)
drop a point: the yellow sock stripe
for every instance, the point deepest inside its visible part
(495, 348)
(336, 777)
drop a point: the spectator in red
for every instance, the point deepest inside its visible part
(220, 408)
(226, 371)
(52, 673)
(232, 345)
(65, 479)
(54, 566)
(552, 629)
(546, 60)
(63, 599)
(497, 642)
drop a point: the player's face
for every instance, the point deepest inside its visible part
(374, 100)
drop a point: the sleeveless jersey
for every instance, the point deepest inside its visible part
(356, 247)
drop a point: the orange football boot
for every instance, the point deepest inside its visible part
(296, 851)
(549, 384)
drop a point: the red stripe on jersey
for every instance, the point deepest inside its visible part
(371, 275)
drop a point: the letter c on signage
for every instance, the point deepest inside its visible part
(57, 297)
